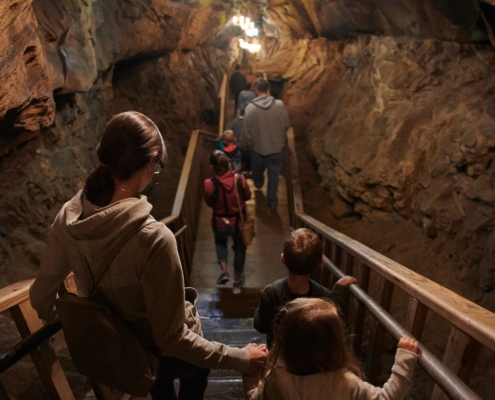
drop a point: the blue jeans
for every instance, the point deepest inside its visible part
(273, 164)
(193, 380)
(221, 237)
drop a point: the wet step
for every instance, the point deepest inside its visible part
(227, 317)
(228, 302)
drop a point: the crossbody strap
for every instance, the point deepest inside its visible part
(237, 197)
(109, 259)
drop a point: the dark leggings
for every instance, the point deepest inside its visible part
(193, 380)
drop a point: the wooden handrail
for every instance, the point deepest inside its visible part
(14, 294)
(223, 98)
(466, 317)
(185, 210)
(472, 319)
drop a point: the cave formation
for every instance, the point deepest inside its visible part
(391, 102)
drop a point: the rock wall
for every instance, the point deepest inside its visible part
(399, 129)
(66, 68)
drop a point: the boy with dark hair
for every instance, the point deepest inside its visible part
(303, 253)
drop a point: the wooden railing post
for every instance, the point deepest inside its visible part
(222, 95)
(44, 358)
(460, 357)
(377, 345)
(415, 318)
(364, 283)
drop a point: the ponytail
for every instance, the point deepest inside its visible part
(100, 186)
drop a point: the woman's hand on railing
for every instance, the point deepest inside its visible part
(408, 343)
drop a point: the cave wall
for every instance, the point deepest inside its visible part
(390, 99)
(66, 68)
(398, 122)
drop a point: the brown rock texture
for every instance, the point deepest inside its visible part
(400, 126)
(66, 68)
(26, 101)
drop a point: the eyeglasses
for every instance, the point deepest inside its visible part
(159, 166)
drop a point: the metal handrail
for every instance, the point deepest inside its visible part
(27, 345)
(443, 376)
(468, 317)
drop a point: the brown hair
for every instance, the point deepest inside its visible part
(309, 338)
(303, 251)
(228, 137)
(126, 146)
(220, 162)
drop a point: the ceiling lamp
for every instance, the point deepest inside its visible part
(251, 47)
(246, 25)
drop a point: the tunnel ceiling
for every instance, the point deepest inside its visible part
(53, 47)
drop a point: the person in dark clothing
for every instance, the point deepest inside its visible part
(236, 126)
(245, 97)
(237, 83)
(303, 253)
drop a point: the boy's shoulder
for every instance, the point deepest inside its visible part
(318, 290)
(275, 288)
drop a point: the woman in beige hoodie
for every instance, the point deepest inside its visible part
(310, 360)
(144, 283)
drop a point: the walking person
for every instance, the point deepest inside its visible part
(236, 126)
(245, 97)
(266, 122)
(237, 83)
(144, 283)
(220, 192)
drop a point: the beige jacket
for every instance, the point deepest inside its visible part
(144, 283)
(335, 385)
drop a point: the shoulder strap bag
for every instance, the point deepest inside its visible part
(102, 346)
(246, 223)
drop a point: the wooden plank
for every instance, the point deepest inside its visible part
(294, 173)
(223, 94)
(14, 294)
(184, 177)
(44, 358)
(466, 315)
(377, 347)
(415, 318)
(364, 282)
(348, 267)
(460, 357)
(348, 263)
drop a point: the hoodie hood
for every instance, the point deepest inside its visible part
(96, 231)
(227, 181)
(264, 102)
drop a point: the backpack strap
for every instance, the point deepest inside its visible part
(111, 256)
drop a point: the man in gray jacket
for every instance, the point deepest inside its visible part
(265, 126)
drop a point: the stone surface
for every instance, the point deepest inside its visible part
(26, 100)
